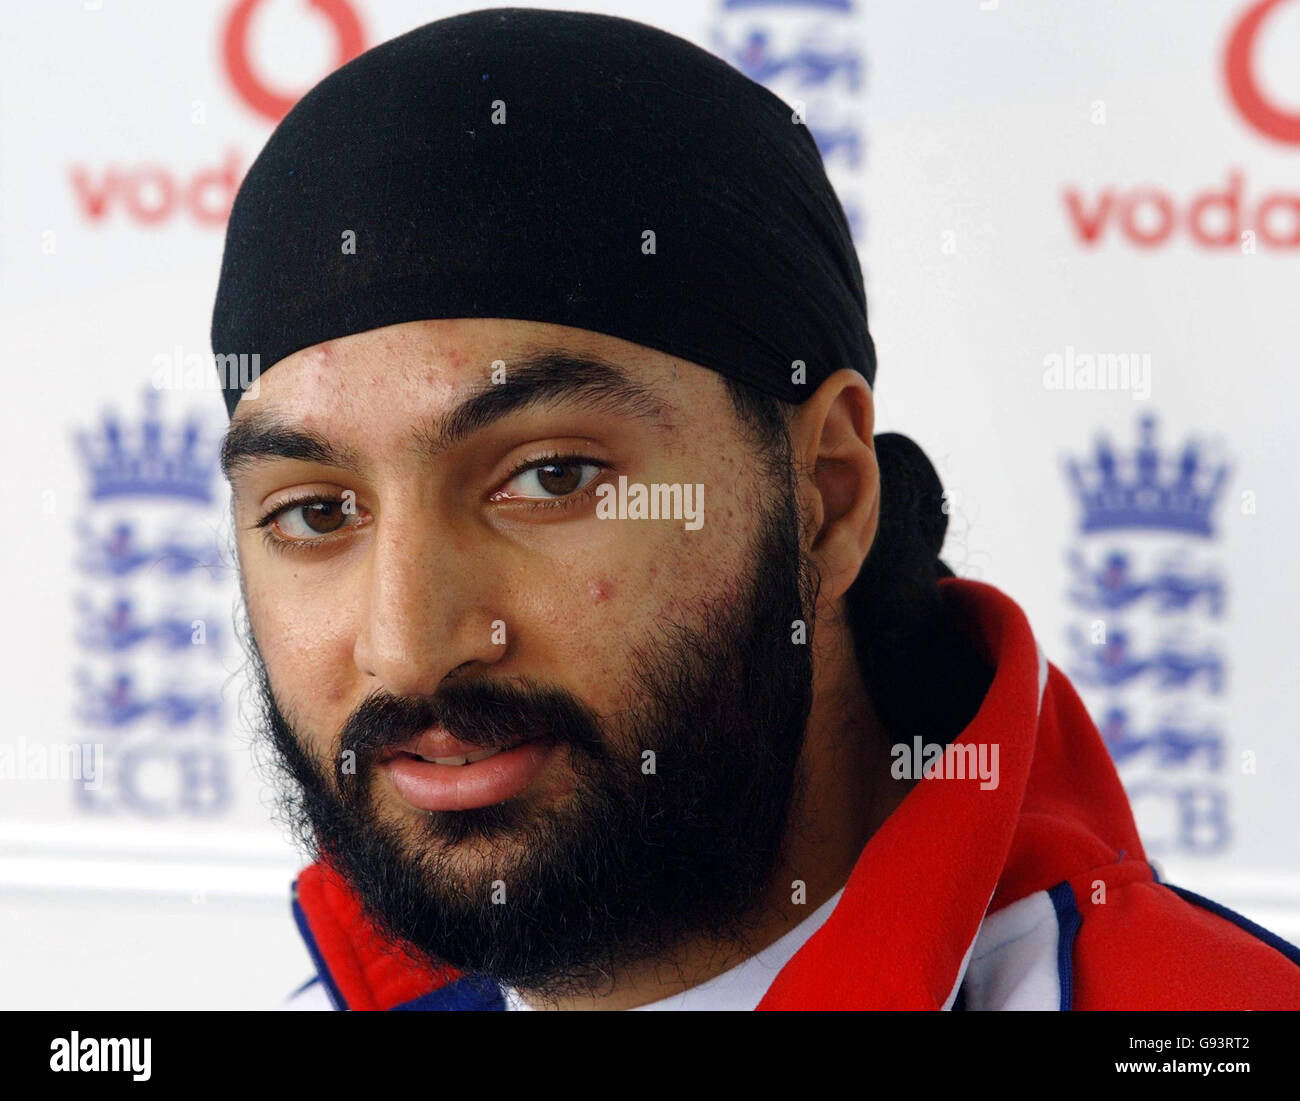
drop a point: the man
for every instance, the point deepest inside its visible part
(606, 652)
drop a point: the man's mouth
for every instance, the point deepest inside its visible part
(436, 771)
(468, 759)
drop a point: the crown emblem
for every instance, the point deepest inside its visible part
(148, 460)
(1146, 489)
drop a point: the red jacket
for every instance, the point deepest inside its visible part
(1033, 894)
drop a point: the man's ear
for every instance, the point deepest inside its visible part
(839, 482)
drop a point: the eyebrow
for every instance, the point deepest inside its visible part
(547, 377)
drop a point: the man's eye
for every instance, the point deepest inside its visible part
(550, 479)
(310, 519)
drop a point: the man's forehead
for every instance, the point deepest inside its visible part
(435, 363)
(326, 409)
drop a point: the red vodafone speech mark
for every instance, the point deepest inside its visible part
(1242, 86)
(270, 104)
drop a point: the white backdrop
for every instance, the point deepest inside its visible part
(1077, 220)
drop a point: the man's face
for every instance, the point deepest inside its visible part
(427, 578)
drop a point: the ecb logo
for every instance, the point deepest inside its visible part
(806, 52)
(1145, 650)
(149, 620)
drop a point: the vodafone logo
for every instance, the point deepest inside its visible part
(155, 195)
(1227, 216)
(1217, 217)
(252, 89)
(1238, 64)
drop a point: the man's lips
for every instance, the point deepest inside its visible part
(436, 771)
(439, 745)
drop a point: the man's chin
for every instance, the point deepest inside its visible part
(444, 856)
(466, 865)
(497, 827)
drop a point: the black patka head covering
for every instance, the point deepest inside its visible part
(514, 163)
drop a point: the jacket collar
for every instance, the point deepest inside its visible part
(914, 903)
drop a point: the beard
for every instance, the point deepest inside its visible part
(669, 834)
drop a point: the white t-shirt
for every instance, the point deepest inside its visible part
(745, 984)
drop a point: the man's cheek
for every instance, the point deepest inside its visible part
(572, 634)
(694, 574)
(676, 577)
(309, 664)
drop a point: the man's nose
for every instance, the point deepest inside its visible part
(427, 608)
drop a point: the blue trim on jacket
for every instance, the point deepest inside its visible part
(1290, 951)
(310, 982)
(473, 993)
(322, 972)
(1068, 919)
